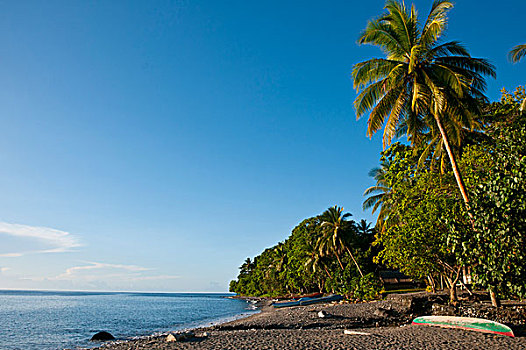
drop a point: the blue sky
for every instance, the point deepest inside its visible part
(154, 145)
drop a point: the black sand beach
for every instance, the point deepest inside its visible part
(387, 324)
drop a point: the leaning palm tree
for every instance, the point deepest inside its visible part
(315, 260)
(378, 195)
(333, 240)
(423, 83)
(517, 53)
(515, 56)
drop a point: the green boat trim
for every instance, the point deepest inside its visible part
(468, 323)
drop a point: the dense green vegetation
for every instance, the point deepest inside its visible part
(427, 232)
(326, 253)
(451, 201)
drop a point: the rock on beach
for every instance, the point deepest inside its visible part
(102, 336)
(301, 328)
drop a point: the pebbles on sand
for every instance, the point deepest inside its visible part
(301, 328)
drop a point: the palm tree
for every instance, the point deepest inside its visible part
(515, 56)
(247, 267)
(333, 220)
(378, 195)
(280, 257)
(364, 228)
(517, 53)
(423, 84)
(315, 260)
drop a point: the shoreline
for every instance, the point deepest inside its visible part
(193, 327)
(384, 324)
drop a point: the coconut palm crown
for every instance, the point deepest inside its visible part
(517, 53)
(378, 194)
(423, 85)
(332, 240)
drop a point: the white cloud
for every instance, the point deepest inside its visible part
(152, 278)
(55, 241)
(97, 271)
(76, 271)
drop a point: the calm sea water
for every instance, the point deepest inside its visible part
(59, 320)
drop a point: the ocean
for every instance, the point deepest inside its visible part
(47, 320)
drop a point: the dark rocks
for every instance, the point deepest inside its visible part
(301, 328)
(324, 314)
(102, 336)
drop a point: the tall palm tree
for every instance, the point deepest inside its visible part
(333, 240)
(517, 53)
(423, 83)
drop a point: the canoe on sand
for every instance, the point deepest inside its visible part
(469, 323)
(308, 301)
(327, 299)
(286, 304)
(312, 295)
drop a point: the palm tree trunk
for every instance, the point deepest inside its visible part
(327, 271)
(338, 257)
(458, 177)
(352, 257)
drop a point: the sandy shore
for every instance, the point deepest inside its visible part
(387, 323)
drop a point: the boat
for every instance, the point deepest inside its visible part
(312, 295)
(468, 323)
(327, 299)
(286, 304)
(308, 301)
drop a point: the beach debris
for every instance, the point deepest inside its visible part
(349, 332)
(102, 336)
(467, 323)
(324, 314)
(180, 336)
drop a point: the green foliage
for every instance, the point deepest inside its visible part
(413, 237)
(422, 80)
(309, 260)
(494, 245)
(517, 53)
(366, 288)
(426, 231)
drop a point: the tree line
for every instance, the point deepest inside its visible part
(325, 253)
(451, 201)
